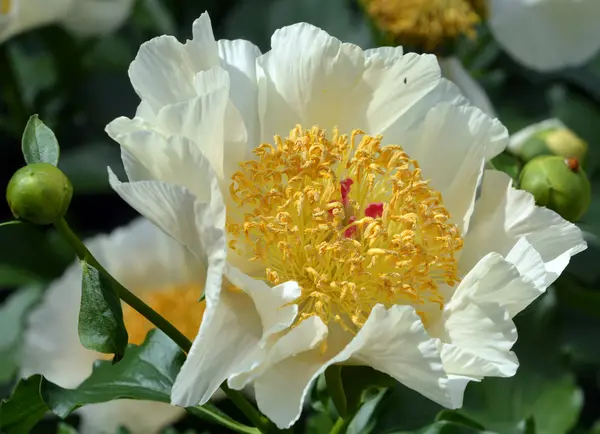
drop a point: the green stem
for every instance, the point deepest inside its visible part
(248, 409)
(341, 425)
(12, 222)
(124, 294)
(262, 423)
(216, 417)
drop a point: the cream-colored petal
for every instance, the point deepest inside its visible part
(547, 34)
(26, 15)
(97, 17)
(162, 73)
(202, 49)
(393, 341)
(451, 147)
(306, 336)
(308, 78)
(454, 71)
(504, 214)
(239, 60)
(139, 417)
(271, 303)
(229, 334)
(518, 139)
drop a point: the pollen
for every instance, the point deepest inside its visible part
(427, 24)
(5, 6)
(352, 221)
(177, 304)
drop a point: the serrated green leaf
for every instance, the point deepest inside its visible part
(12, 319)
(101, 326)
(146, 372)
(39, 143)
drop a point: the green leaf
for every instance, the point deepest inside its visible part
(359, 379)
(333, 377)
(9, 223)
(63, 428)
(444, 427)
(456, 417)
(507, 164)
(365, 419)
(146, 372)
(101, 326)
(12, 318)
(39, 143)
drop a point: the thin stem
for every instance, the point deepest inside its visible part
(224, 420)
(341, 425)
(248, 409)
(12, 222)
(124, 294)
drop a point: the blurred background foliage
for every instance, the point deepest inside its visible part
(78, 85)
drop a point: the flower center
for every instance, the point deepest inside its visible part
(350, 220)
(5, 6)
(178, 304)
(426, 23)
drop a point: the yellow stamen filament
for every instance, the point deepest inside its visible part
(388, 241)
(5, 6)
(178, 304)
(426, 23)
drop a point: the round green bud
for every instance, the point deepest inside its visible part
(559, 184)
(39, 193)
(561, 142)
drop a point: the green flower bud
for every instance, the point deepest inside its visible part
(39, 193)
(559, 184)
(550, 137)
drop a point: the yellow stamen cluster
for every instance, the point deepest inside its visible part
(5, 6)
(298, 225)
(426, 24)
(178, 304)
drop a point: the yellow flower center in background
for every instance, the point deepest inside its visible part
(178, 304)
(5, 6)
(350, 220)
(426, 24)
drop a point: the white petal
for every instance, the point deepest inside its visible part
(518, 139)
(393, 341)
(239, 60)
(271, 303)
(26, 15)
(307, 78)
(162, 73)
(139, 417)
(453, 143)
(454, 71)
(504, 214)
(306, 336)
(547, 34)
(230, 332)
(193, 223)
(97, 17)
(202, 49)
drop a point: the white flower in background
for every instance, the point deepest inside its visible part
(547, 34)
(82, 17)
(154, 267)
(325, 244)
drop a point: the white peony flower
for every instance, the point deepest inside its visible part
(547, 34)
(153, 266)
(82, 17)
(325, 244)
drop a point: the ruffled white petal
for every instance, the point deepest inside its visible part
(239, 60)
(451, 145)
(393, 341)
(232, 335)
(454, 71)
(504, 214)
(202, 49)
(547, 34)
